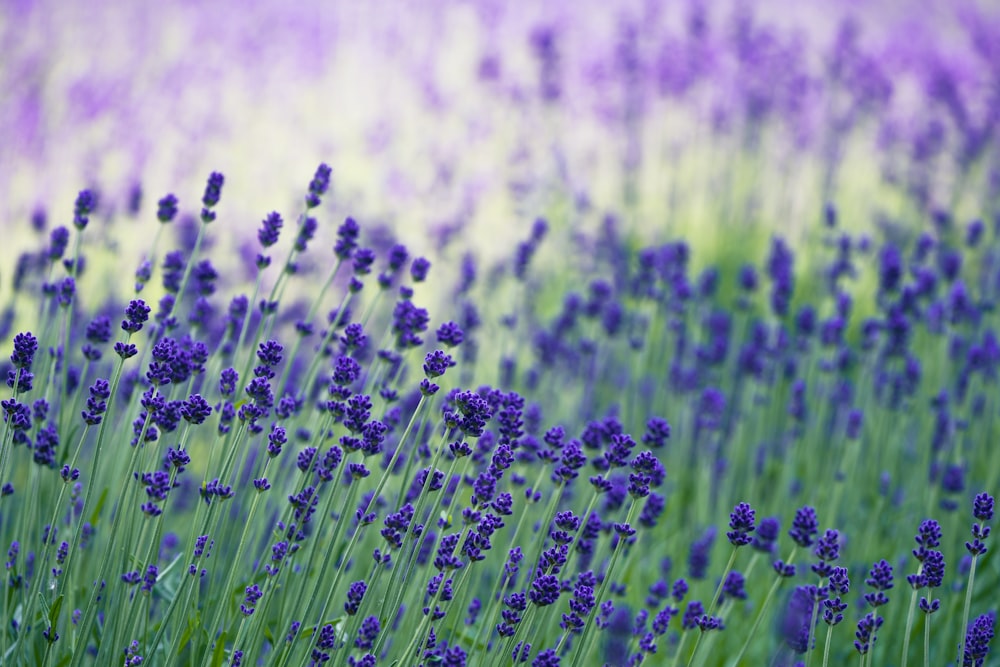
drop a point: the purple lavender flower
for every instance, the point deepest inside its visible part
(865, 635)
(363, 259)
(544, 590)
(699, 554)
(603, 618)
(419, 269)
(765, 538)
(450, 334)
(546, 658)
(619, 450)
(166, 208)
(354, 337)
(833, 605)
(928, 537)
(132, 657)
(734, 587)
(86, 202)
(827, 550)
(982, 508)
(354, 596)
(270, 228)
(695, 610)
(982, 511)
(195, 410)
(307, 230)
(25, 346)
(741, 524)
(408, 322)
(149, 579)
(66, 291)
(855, 420)
(368, 633)
(58, 242)
(780, 269)
(98, 332)
(97, 404)
(804, 527)
(253, 594)
(213, 191)
(136, 314)
(318, 186)
(977, 640)
(879, 578)
(436, 363)
(798, 622)
(657, 432)
(347, 239)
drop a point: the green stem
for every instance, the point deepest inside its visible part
(238, 560)
(909, 624)
(715, 599)
(317, 359)
(189, 266)
(588, 636)
(968, 603)
(119, 512)
(927, 640)
(87, 619)
(826, 647)
(283, 381)
(760, 615)
(813, 620)
(418, 637)
(496, 604)
(403, 565)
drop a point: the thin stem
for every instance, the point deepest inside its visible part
(968, 603)
(813, 620)
(587, 636)
(283, 381)
(927, 640)
(715, 599)
(760, 615)
(418, 637)
(496, 604)
(826, 647)
(909, 625)
(400, 568)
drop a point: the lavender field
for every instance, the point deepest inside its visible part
(484, 334)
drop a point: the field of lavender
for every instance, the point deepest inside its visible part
(702, 371)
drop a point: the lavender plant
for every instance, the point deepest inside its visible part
(316, 445)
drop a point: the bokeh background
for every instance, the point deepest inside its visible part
(473, 118)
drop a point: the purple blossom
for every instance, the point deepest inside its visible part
(741, 524)
(804, 527)
(354, 596)
(865, 635)
(977, 640)
(880, 579)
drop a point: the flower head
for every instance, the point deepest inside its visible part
(741, 524)
(213, 191)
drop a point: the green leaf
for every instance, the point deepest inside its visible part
(45, 605)
(98, 507)
(219, 654)
(193, 624)
(54, 611)
(169, 580)
(169, 567)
